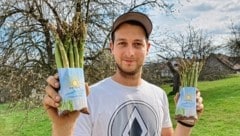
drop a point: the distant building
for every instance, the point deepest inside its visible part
(218, 66)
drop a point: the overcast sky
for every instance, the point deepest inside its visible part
(212, 16)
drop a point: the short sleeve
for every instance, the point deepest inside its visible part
(166, 116)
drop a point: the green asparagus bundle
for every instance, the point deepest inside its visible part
(69, 58)
(189, 70)
(69, 54)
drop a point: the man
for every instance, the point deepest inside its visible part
(123, 104)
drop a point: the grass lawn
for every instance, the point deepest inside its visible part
(220, 118)
(221, 112)
(19, 122)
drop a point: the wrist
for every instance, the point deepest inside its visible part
(185, 124)
(62, 129)
(182, 130)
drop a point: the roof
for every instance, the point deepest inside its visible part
(231, 62)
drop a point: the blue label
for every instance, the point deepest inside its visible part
(186, 105)
(72, 89)
(72, 83)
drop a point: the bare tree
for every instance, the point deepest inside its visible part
(26, 41)
(192, 43)
(233, 44)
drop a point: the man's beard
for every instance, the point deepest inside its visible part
(129, 74)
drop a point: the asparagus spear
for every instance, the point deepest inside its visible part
(76, 54)
(71, 56)
(58, 57)
(189, 71)
(62, 51)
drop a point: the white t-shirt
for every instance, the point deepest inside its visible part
(118, 110)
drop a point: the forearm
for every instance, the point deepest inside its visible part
(62, 130)
(182, 130)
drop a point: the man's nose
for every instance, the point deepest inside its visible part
(130, 51)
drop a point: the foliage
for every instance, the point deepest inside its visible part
(234, 41)
(21, 83)
(152, 73)
(194, 42)
(100, 68)
(27, 44)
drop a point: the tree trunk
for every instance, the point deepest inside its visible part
(176, 79)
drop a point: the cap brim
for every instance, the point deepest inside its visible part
(134, 16)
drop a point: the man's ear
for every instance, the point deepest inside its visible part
(148, 47)
(111, 46)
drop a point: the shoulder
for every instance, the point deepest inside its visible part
(100, 88)
(156, 90)
(100, 84)
(153, 86)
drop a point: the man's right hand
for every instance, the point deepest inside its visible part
(64, 123)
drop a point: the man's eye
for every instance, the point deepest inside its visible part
(122, 44)
(138, 45)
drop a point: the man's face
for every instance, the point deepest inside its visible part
(130, 48)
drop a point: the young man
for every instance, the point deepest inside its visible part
(124, 104)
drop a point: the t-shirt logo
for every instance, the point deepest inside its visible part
(135, 125)
(134, 118)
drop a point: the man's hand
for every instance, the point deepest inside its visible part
(62, 125)
(200, 106)
(184, 128)
(199, 100)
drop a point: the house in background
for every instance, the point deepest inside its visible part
(218, 66)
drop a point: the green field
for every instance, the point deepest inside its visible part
(19, 122)
(222, 109)
(220, 118)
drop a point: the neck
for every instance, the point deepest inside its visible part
(127, 80)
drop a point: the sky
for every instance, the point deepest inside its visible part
(214, 17)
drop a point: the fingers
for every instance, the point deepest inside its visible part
(53, 81)
(50, 107)
(198, 93)
(52, 93)
(53, 85)
(49, 102)
(200, 106)
(199, 98)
